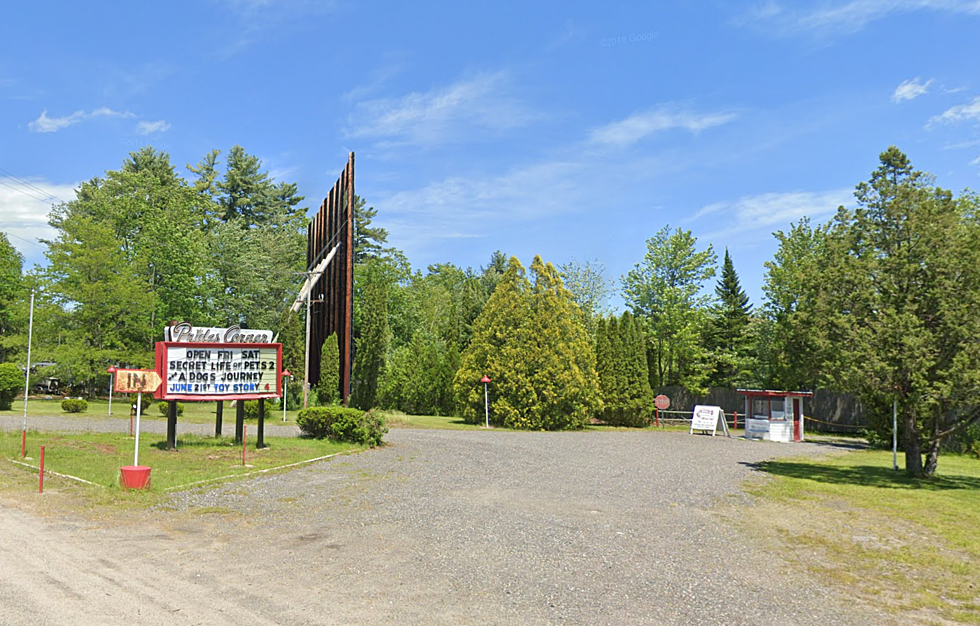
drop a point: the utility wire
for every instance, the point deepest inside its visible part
(30, 185)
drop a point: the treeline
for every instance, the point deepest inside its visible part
(881, 301)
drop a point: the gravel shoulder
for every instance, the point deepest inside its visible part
(438, 527)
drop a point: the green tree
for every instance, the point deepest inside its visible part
(728, 338)
(11, 294)
(371, 348)
(369, 241)
(292, 335)
(328, 389)
(11, 382)
(418, 377)
(590, 289)
(622, 366)
(897, 303)
(666, 291)
(791, 352)
(531, 342)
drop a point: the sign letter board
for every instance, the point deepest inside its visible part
(219, 371)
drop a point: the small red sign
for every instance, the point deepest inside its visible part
(661, 402)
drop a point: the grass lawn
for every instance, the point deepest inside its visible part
(910, 547)
(397, 419)
(97, 457)
(194, 412)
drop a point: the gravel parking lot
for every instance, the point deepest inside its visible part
(439, 527)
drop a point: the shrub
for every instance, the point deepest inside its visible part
(342, 424)
(146, 401)
(163, 406)
(11, 381)
(74, 405)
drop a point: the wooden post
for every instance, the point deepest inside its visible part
(172, 425)
(239, 420)
(260, 442)
(219, 413)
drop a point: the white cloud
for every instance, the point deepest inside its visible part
(911, 89)
(24, 213)
(848, 17)
(442, 115)
(640, 125)
(959, 113)
(761, 213)
(147, 128)
(45, 124)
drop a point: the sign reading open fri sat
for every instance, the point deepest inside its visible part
(136, 381)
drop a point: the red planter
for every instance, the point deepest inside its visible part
(135, 477)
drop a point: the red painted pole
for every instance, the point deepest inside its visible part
(23, 443)
(244, 443)
(656, 417)
(736, 421)
(40, 480)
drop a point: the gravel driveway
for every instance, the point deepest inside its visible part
(440, 527)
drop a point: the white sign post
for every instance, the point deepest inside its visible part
(709, 418)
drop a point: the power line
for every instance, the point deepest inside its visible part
(28, 194)
(33, 243)
(30, 185)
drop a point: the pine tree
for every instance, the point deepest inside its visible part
(328, 389)
(368, 241)
(728, 330)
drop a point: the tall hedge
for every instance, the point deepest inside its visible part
(530, 341)
(623, 377)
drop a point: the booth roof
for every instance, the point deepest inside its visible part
(771, 393)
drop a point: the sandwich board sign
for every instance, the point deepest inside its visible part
(709, 418)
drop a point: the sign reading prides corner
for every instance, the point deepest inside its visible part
(185, 333)
(219, 371)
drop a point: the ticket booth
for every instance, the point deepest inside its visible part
(774, 415)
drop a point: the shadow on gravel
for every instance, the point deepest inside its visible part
(863, 475)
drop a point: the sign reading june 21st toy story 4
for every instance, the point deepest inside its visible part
(219, 371)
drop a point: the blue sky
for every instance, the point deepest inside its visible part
(570, 130)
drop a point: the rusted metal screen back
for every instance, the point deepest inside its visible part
(331, 308)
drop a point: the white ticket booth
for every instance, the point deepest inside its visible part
(774, 415)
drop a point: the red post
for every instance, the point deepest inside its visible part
(244, 442)
(656, 417)
(40, 480)
(23, 444)
(736, 421)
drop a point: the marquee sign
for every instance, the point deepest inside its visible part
(219, 371)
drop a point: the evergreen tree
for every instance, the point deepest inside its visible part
(896, 305)
(622, 366)
(328, 389)
(292, 335)
(530, 341)
(419, 376)
(637, 397)
(368, 241)
(727, 330)
(371, 349)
